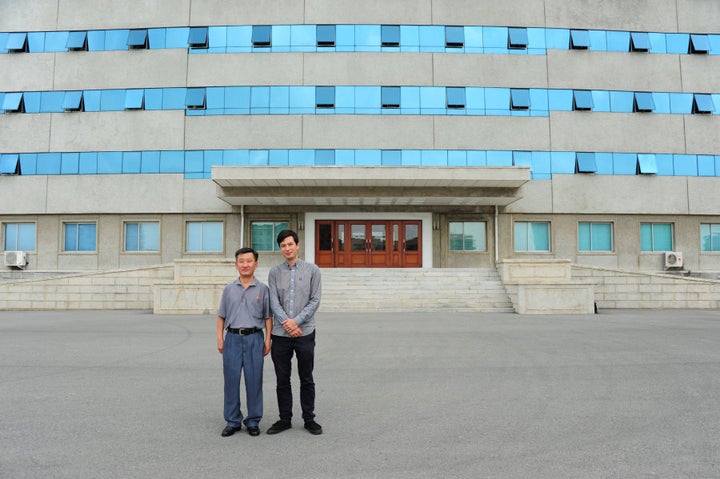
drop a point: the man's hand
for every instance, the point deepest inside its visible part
(221, 345)
(292, 328)
(266, 348)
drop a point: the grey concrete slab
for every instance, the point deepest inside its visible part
(126, 394)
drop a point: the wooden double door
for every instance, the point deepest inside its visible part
(368, 244)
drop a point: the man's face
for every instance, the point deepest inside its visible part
(246, 264)
(289, 248)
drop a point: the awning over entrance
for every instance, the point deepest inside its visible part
(371, 185)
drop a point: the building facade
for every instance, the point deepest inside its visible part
(400, 134)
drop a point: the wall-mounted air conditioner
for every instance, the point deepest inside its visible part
(17, 259)
(673, 259)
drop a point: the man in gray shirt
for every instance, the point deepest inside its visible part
(295, 289)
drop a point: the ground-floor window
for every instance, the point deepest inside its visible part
(532, 236)
(468, 236)
(80, 237)
(264, 233)
(204, 236)
(656, 236)
(710, 237)
(595, 236)
(142, 236)
(19, 236)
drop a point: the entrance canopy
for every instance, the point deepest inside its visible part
(369, 185)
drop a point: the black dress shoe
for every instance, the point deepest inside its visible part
(229, 431)
(313, 427)
(253, 430)
(279, 426)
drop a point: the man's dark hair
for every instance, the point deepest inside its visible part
(284, 234)
(246, 250)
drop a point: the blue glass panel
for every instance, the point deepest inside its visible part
(217, 39)
(519, 99)
(562, 162)
(621, 101)
(279, 100)
(137, 38)
(474, 39)
(618, 41)
(280, 38)
(261, 35)
(156, 38)
(36, 42)
(215, 98)
(662, 102)
(278, 158)
(73, 101)
(76, 41)
(9, 164)
(681, 103)
(16, 42)
(517, 38)
(325, 35)
(198, 37)
(345, 100)
(31, 101)
(432, 38)
(131, 236)
(11, 102)
(677, 42)
(134, 99)
(409, 38)
(116, 39)
(560, 100)
(522, 158)
(476, 158)
(194, 162)
(536, 39)
(640, 42)
(495, 39)
(28, 163)
(303, 37)
(345, 38)
(586, 163)
(499, 158)
(237, 99)
(475, 98)
(602, 236)
(541, 164)
(391, 157)
(112, 100)
(665, 165)
(325, 96)
(302, 99)
(455, 97)
(539, 99)
(714, 41)
(557, 38)
(584, 236)
(150, 236)
(212, 236)
(87, 164)
(212, 158)
(302, 157)
(195, 99)
(432, 100)
(25, 237)
(647, 164)
(703, 103)
(539, 236)
(411, 158)
(367, 37)
(699, 43)
(457, 158)
(109, 162)
(579, 39)
(194, 236)
(153, 99)
(367, 99)
(624, 163)
(706, 165)
(390, 96)
(604, 162)
(324, 157)
(582, 100)
(237, 157)
(239, 39)
(368, 158)
(497, 100)
(131, 162)
(70, 243)
(520, 233)
(434, 157)
(172, 161)
(390, 35)
(410, 98)
(345, 157)
(69, 163)
(601, 100)
(48, 163)
(86, 236)
(599, 40)
(176, 37)
(454, 37)
(685, 165)
(662, 236)
(258, 157)
(150, 162)
(53, 101)
(657, 43)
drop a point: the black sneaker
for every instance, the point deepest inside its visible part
(279, 426)
(313, 427)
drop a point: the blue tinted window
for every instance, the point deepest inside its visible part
(73, 101)
(325, 96)
(87, 163)
(643, 102)
(137, 39)
(9, 164)
(390, 35)
(677, 42)
(77, 41)
(532, 236)
(391, 157)
(639, 42)
(302, 99)
(17, 42)
(142, 236)
(454, 37)
(681, 103)
(586, 163)
(499, 158)
(204, 236)
(594, 236)
(195, 99)
(410, 38)
(150, 162)
(172, 161)
(455, 97)
(647, 165)
(432, 100)
(48, 164)
(217, 39)
(579, 39)
(706, 165)
(367, 100)
(656, 236)
(134, 99)
(390, 96)
(28, 164)
(303, 38)
(434, 158)
(198, 37)
(19, 236)
(702, 103)
(495, 39)
(80, 237)
(519, 99)
(685, 165)
(13, 102)
(324, 157)
(110, 162)
(582, 100)
(624, 163)
(699, 44)
(367, 37)
(69, 163)
(618, 41)
(261, 35)
(239, 39)
(709, 237)
(112, 100)
(325, 35)
(517, 38)
(432, 38)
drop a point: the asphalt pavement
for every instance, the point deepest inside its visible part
(129, 394)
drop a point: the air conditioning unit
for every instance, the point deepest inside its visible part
(673, 259)
(17, 259)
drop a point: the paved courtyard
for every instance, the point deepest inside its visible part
(126, 394)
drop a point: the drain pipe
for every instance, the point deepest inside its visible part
(497, 254)
(242, 226)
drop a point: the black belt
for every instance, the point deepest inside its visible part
(244, 330)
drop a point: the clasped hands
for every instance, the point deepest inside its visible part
(292, 328)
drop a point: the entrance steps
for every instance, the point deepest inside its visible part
(414, 289)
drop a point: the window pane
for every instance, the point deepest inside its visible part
(645, 237)
(390, 35)
(455, 97)
(325, 96)
(390, 96)
(521, 236)
(538, 237)
(579, 39)
(662, 237)
(454, 37)
(601, 236)
(70, 237)
(517, 38)
(261, 35)
(584, 242)
(149, 236)
(131, 236)
(86, 237)
(325, 35)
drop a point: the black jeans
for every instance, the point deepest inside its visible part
(282, 353)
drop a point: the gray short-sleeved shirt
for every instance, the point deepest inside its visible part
(245, 308)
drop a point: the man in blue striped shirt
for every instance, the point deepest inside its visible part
(295, 289)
